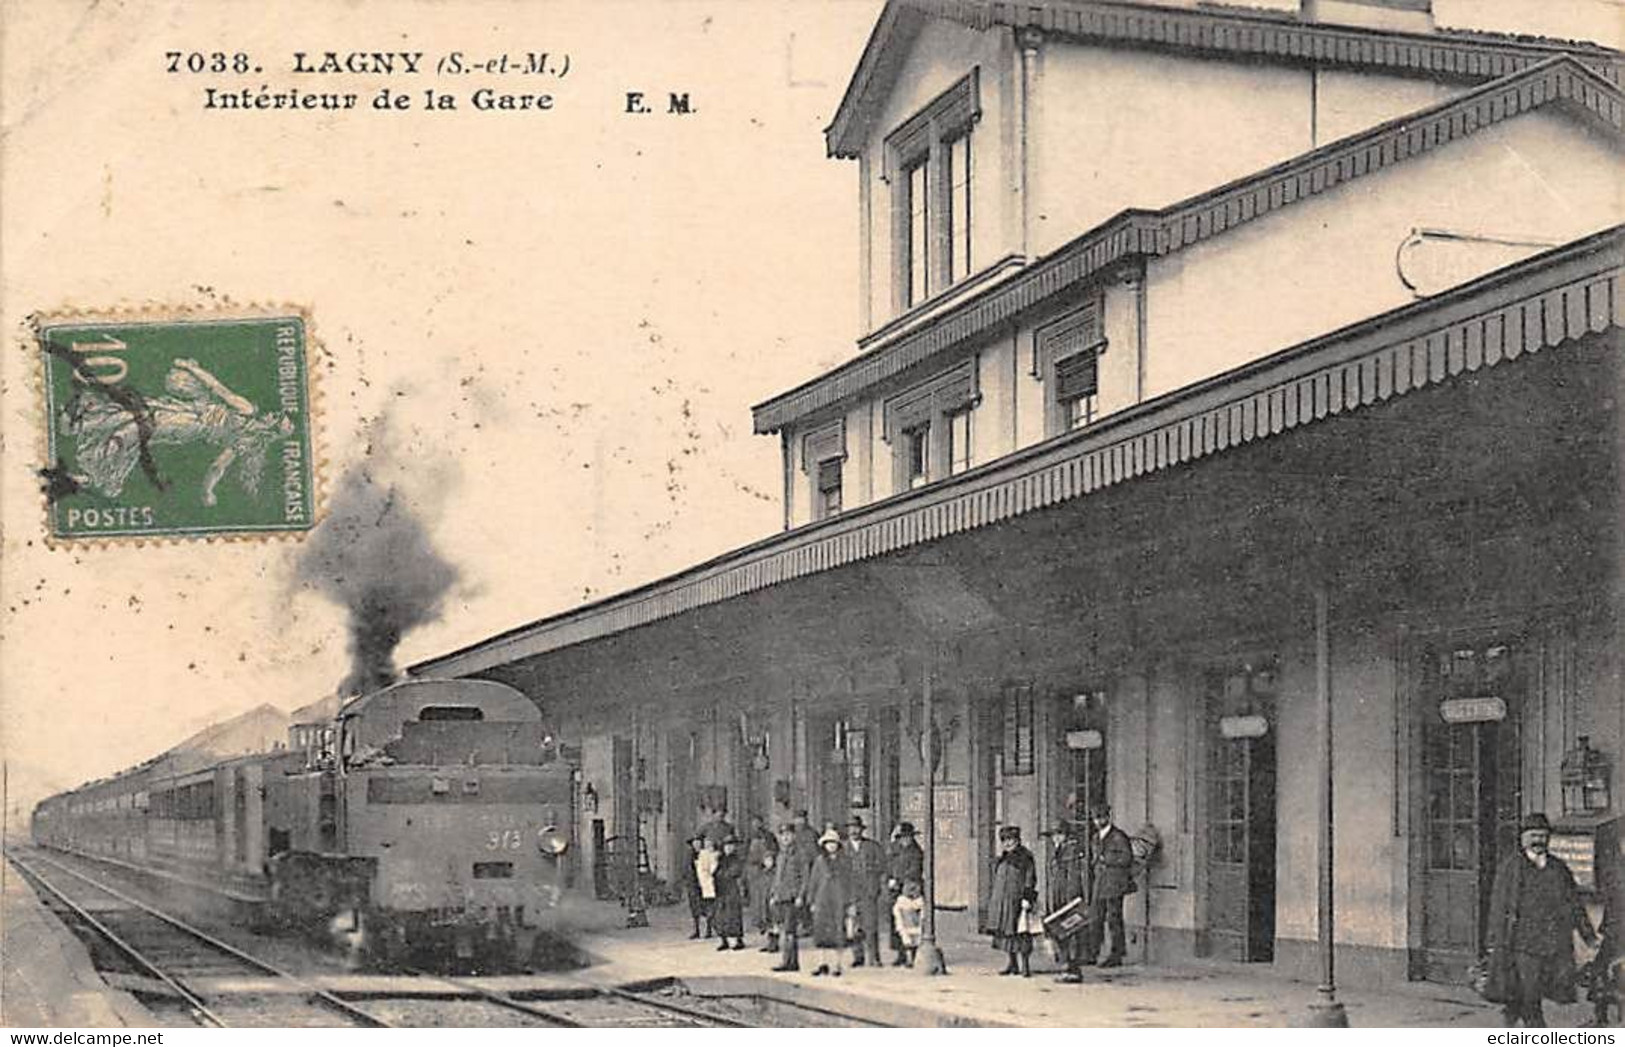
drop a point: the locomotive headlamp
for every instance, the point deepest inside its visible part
(551, 840)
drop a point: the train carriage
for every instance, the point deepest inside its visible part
(428, 814)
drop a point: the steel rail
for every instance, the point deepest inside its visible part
(675, 1008)
(797, 1004)
(501, 999)
(131, 952)
(599, 991)
(325, 996)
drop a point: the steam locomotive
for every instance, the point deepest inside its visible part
(431, 814)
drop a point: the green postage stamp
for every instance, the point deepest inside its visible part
(190, 427)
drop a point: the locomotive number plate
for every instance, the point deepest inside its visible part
(503, 840)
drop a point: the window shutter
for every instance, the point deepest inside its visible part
(1067, 336)
(1077, 376)
(951, 390)
(1018, 731)
(822, 444)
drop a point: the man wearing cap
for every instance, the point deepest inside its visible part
(1534, 913)
(1111, 870)
(761, 853)
(905, 864)
(788, 896)
(868, 864)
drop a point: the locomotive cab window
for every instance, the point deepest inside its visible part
(450, 714)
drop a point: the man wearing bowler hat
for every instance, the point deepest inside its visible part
(868, 864)
(1111, 877)
(1534, 913)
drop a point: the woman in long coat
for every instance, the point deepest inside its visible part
(729, 918)
(829, 896)
(761, 853)
(1015, 891)
(688, 881)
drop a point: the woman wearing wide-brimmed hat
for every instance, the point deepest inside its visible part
(829, 895)
(1010, 903)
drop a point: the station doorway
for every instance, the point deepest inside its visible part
(1240, 732)
(1472, 777)
(1081, 717)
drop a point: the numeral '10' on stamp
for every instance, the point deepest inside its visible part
(192, 427)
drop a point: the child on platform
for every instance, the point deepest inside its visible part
(908, 917)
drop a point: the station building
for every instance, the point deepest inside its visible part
(1217, 363)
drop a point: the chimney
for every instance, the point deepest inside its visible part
(1413, 16)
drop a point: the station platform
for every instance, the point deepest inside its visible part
(46, 977)
(1198, 994)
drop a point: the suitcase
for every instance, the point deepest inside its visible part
(1068, 921)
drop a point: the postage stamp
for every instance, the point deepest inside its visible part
(188, 427)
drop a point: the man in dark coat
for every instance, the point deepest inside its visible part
(788, 895)
(1068, 882)
(1111, 870)
(1534, 912)
(905, 864)
(760, 852)
(729, 914)
(867, 863)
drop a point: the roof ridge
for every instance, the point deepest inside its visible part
(1405, 121)
(1472, 55)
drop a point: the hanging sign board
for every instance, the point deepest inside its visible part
(955, 847)
(1473, 710)
(1084, 740)
(1243, 726)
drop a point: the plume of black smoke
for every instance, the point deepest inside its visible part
(373, 556)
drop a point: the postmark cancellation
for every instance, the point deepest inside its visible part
(188, 427)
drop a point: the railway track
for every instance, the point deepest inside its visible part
(172, 963)
(597, 1006)
(189, 976)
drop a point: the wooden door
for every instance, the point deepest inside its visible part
(681, 813)
(1472, 771)
(826, 762)
(886, 798)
